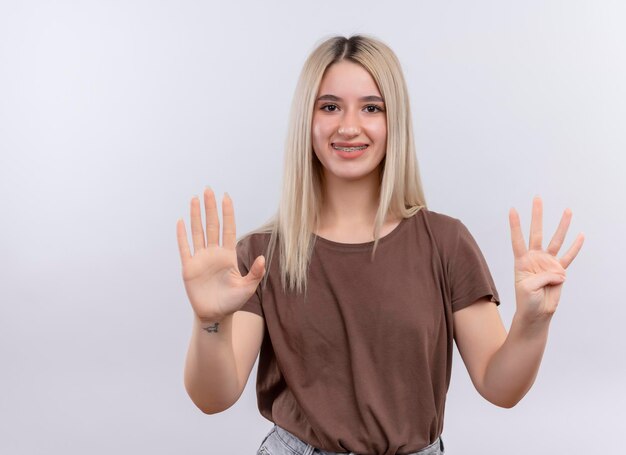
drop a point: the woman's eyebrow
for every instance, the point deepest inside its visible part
(363, 98)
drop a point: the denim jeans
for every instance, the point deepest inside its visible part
(280, 442)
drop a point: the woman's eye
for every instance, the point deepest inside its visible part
(329, 107)
(373, 108)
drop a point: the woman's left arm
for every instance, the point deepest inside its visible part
(503, 366)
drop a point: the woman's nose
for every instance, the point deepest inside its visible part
(349, 131)
(349, 126)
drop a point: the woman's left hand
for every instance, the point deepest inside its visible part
(539, 274)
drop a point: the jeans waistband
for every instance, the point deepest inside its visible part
(302, 448)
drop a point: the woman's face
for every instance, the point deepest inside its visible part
(349, 130)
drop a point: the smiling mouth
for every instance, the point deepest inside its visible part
(349, 149)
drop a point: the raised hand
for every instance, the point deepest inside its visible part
(539, 274)
(214, 285)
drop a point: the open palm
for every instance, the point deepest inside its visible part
(539, 274)
(214, 284)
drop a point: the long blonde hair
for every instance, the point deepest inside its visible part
(401, 193)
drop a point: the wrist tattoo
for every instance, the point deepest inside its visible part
(212, 328)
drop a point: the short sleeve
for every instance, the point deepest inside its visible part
(469, 275)
(245, 258)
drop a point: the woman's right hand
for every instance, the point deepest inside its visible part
(214, 285)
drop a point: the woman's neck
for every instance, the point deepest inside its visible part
(349, 204)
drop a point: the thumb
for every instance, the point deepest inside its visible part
(544, 279)
(257, 270)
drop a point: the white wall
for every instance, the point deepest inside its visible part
(114, 113)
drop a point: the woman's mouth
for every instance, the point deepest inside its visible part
(354, 148)
(349, 151)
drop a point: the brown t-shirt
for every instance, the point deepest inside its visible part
(363, 363)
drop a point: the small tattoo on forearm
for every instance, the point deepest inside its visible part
(212, 328)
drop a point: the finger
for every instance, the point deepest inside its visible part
(183, 244)
(257, 270)
(212, 218)
(197, 233)
(559, 236)
(569, 256)
(541, 280)
(229, 231)
(517, 237)
(536, 225)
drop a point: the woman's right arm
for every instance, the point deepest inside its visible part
(224, 341)
(218, 364)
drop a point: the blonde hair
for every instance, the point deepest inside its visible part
(401, 193)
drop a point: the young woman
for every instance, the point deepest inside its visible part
(364, 289)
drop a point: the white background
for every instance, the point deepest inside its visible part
(114, 113)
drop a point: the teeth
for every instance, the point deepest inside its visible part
(349, 149)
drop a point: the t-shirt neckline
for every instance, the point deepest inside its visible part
(361, 246)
